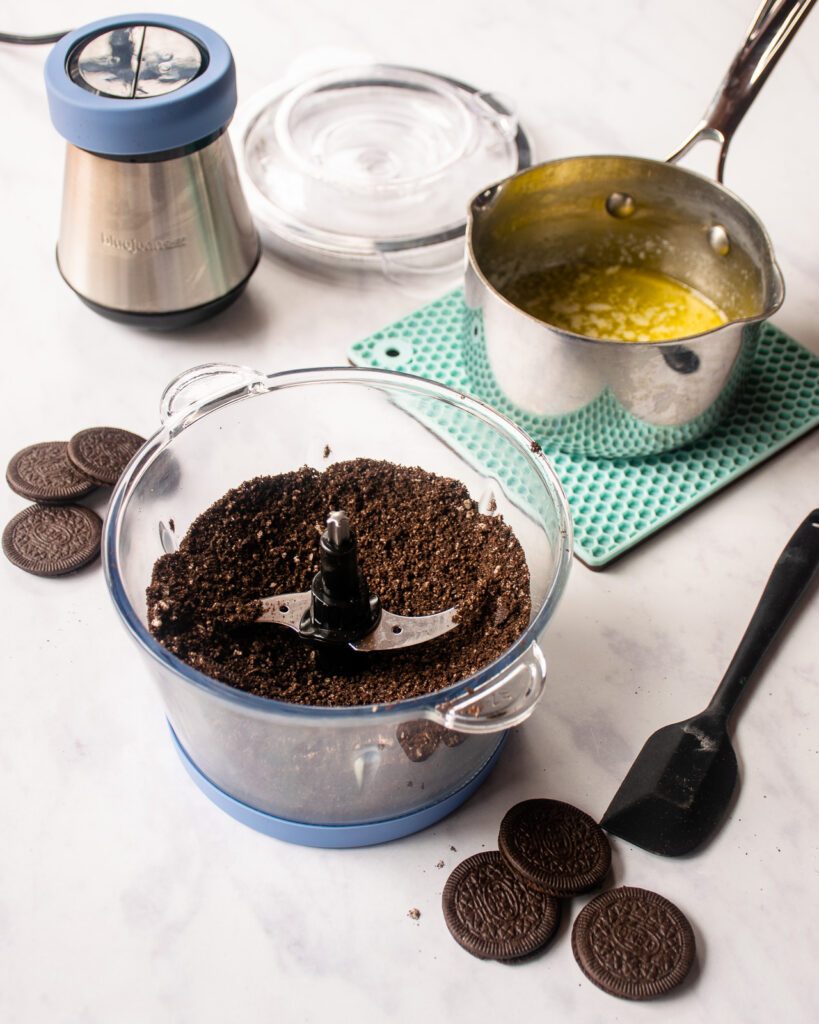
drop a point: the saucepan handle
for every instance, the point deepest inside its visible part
(772, 29)
(504, 701)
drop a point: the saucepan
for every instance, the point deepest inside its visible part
(614, 398)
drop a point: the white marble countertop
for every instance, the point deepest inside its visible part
(125, 896)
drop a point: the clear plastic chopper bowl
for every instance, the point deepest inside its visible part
(318, 775)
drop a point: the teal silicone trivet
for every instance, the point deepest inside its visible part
(616, 503)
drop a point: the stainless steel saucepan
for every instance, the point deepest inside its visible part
(616, 398)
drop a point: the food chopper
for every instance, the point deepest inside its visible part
(333, 776)
(155, 229)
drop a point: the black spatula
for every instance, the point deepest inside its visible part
(678, 789)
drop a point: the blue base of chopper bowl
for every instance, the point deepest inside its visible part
(335, 837)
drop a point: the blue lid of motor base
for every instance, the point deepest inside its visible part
(139, 84)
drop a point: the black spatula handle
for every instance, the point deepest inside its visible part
(790, 578)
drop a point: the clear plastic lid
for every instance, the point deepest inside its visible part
(366, 161)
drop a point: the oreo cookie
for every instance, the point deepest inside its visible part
(51, 540)
(44, 473)
(492, 914)
(554, 847)
(633, 943)
(102, 453)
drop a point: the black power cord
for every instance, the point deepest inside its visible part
(52, 37)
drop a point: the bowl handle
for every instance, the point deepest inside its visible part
(500, 703)
(200, 383)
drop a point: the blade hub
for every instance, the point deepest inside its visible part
(340, 612)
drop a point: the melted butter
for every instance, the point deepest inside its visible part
(615, 303)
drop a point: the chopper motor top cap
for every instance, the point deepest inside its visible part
(180, 73)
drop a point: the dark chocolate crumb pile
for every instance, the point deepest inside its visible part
(423, 547)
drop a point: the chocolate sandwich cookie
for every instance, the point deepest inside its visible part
(44, 473)
(103, 452)
(492, 914)
(51, 540)
(633, 943)
(554, 847)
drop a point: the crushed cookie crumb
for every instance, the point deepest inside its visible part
(423, 547)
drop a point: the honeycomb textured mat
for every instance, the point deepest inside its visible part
(616, 503)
